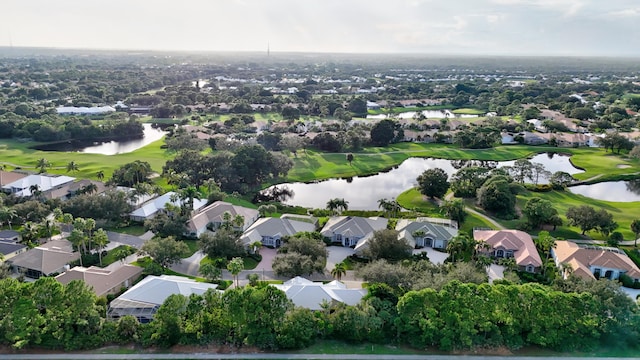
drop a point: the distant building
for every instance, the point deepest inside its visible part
(23, 186)
(212, 217)
(269, 231)
(149, 209)
(96, 110)
(349, 230)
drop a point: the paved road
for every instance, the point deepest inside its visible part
(89, 356)
(130, 240)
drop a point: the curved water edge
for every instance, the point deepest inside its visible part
(614, 191)
(363, 192)
(151, 133)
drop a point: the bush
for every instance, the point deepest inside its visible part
(542, 187)
(628, 282)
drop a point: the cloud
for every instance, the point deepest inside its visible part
(626, 13)
(566, 7)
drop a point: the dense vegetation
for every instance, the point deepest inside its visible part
(573, 315)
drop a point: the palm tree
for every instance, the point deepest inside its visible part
(42, 164)
(337, 205)
(7, 214)
(339, 271)
(77, 238)
(255, 247)
(226, 220)
(235, 266)
(35, 191)
(238, 222)
(47, 227)
(635, 227)
(100, 175)
(72, 166)
(189, 193)
(101, 240)
(90, 189)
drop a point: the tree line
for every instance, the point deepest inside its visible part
(571, 315)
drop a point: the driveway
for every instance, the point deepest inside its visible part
(336, 254)
(126, 239)
(268, 255)
(495, 272)
(435, 256)
(190, 265)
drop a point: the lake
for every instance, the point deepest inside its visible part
(429, 114)
(617, 191)
(150, 134)
(363, 192)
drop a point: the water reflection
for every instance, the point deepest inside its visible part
(363, 192)
(617, 191)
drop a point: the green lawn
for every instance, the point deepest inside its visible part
(110, 258)
(623, 213)
(468, 111)
(313, 165)
(17, 154)
(193, 247)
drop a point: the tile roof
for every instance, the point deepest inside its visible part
(582, 258)
(353, 226)
(524, 250)
(311, 295)
(214, 214)
(101, 280)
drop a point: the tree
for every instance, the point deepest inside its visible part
(385, 244)
(224, 243)
(584, 216)
(635, 227)
(210, 271)
(101, 240)
(165, 251)
(42, 164)
(538, 171)
(235, 266)
(433, 183)
(539, 211)
(615, 239)
(7, 214)
(605, 223)
(466, 181)
(454, 210)
(496, 196)
(337, 205)
(390, 207)
(72, 166)
(339, 271)
(561, 178)
(521, 170)
(100, 175)
(300, 255)
(350, 158)
(461, 247)
(384, 132)
(131, 173)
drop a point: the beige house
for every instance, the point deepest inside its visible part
(514, 244)
(103, 281)
(593, 262)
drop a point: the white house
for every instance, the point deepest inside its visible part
(423, 233)
(270, 231)
(143, 299)
(312, 295)
(149, 209)
(82, 110)
(23, 186)
(348, 230)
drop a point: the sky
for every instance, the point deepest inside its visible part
(474, 27)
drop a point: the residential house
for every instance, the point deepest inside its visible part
(10, 236)
(514, 244)
(532, 138)
(373, 106)
(425, 233)
(23, 186)
(212, 217)
(313, 295)
(269, 231)
(508, 138)
(9, 244)
(71, 189)
(348, 230)
(103, 281)
(149, 209)
(144, 299)
(593, 262)
(49, 258)
(7, 177)
(538, 125)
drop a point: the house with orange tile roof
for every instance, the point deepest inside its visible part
(593, 262)
(514, 244)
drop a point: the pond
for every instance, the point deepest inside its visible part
(363, 192)
(617, 191)
(150, 134)
(429, 114)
